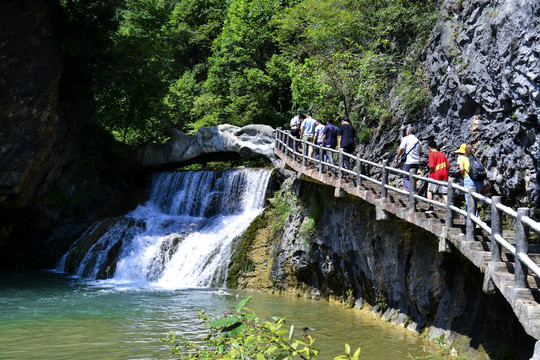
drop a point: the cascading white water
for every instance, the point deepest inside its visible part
(181, 237)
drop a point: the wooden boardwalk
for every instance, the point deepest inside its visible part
(476, 244)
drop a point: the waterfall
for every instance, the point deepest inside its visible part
(181, 237)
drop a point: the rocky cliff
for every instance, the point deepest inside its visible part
(483, 71)
(327, 247)
(52, 177)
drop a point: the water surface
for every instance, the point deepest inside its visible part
(46, 315)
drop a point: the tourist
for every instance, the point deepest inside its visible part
(438, 170)
(307, 131)
(330, 137)
(411, 146)
(295, 125)
(346, 140)
(465, 151)
(318, 137)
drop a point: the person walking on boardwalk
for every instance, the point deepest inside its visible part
(330, 138)
(307, 131)
(438, 170)
(295, 124)
(346, 140)
(411, 146)
(464, 164)
(318, 137)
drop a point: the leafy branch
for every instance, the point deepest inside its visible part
(242, 335)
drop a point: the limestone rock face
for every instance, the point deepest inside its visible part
(249, 142)
(50, 185)
(484, 68)
(31, 129)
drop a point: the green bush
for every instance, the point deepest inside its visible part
(242, 335)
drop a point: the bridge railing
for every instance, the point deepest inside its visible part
(363, 169)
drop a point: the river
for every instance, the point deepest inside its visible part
(45, 315)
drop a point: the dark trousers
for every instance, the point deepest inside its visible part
(407, 168)
(346, 160)
(295, 133)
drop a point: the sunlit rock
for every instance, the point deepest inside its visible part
(249, 142)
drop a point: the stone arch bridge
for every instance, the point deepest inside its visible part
(217, 143)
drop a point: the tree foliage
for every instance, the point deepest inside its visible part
(193, 63)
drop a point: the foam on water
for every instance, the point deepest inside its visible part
(182, 236)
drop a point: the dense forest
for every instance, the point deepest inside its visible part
(157, 64)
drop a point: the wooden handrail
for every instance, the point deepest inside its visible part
(524, 222)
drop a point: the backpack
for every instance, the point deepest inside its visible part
(476, 171)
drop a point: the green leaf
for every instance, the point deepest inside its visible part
(291, 332)
(356, 354)
(233, 330)
(242, 303)
(347, 349)
(224, 321)
(260, 356)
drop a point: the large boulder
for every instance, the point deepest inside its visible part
(249, 142)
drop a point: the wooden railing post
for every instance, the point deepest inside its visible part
(358, 171)
(449, 221)
(412, 190)
(384, 179)
(287, 143)
(304, 151)
(471, 210)
(340, 160)
(320, 158)
(496, 229)
(277, 139)
(522, 246)
(294, 145)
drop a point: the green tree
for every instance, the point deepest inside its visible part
(350, 55)
(130, 96)
(251, 89)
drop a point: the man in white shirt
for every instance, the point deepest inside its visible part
(295, 128)
(318, 137)
(295, 121)
(411, 146)
(307, 131)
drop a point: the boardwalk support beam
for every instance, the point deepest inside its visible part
(443, 243)
(412, 190)
(384, 181)
(380, 213)
(522, 246)
(449, 221)
(471, 211)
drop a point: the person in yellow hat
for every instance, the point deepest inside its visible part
(465, 151)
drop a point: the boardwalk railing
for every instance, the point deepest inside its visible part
(365, 170)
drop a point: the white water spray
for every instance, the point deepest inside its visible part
(183, 236)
